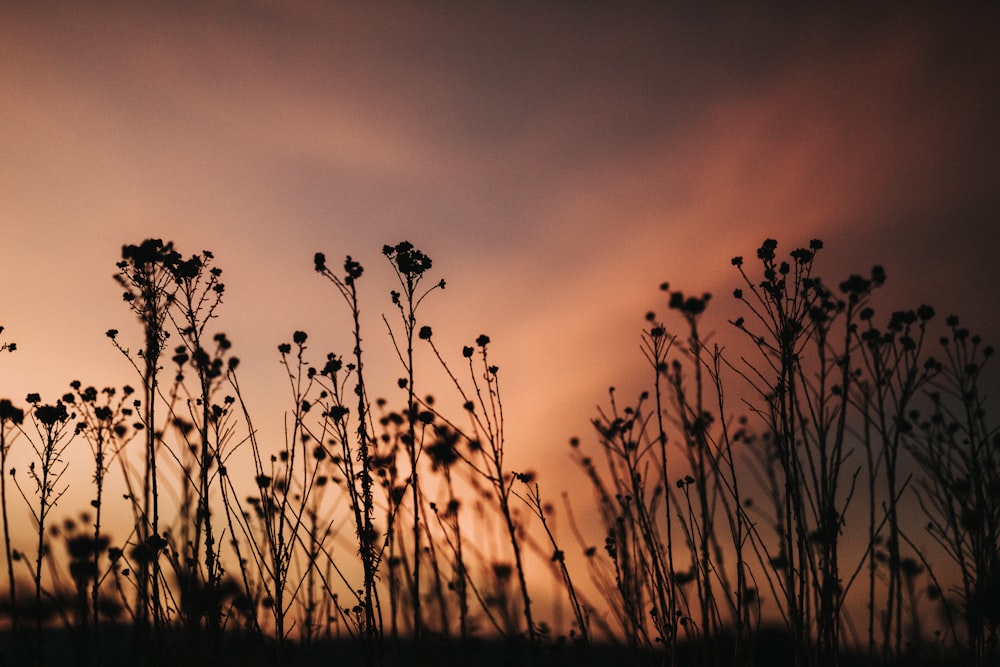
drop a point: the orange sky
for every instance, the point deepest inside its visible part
(557, 164)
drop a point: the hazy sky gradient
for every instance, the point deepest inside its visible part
(556, 160)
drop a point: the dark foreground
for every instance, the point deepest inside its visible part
(119, 647)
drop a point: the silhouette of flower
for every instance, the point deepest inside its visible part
(410, 261)
(337, 412)
(150, 251)
(443, 451)
(9, 412)
(801, 256)
(691, 306)
(353, 269)
(525, 477)
(766, 250)
(855, 286)
(878, 275)
(333, 364)
(222, 341)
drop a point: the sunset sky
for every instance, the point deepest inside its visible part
(558, 161)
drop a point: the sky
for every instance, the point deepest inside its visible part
(557, 161)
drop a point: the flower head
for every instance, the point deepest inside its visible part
(410, 261)
(50, 414)
(9, 412)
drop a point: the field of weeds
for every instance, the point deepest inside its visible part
(765, 507)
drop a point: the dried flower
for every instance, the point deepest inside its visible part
(9, 412)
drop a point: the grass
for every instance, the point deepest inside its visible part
(723, 492)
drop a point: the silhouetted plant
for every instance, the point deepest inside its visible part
(145, 274)
(708, 450)
(806, 394)
(11, 418)
(444, 455)
(629, 500)
(410, 265)
(958, 452)
(824, 381)
(484, 407)
(895, 372)
(533, 499)
(359, 482)
(105, 422)
(51, 435)
(286, 503)
(197, 293)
